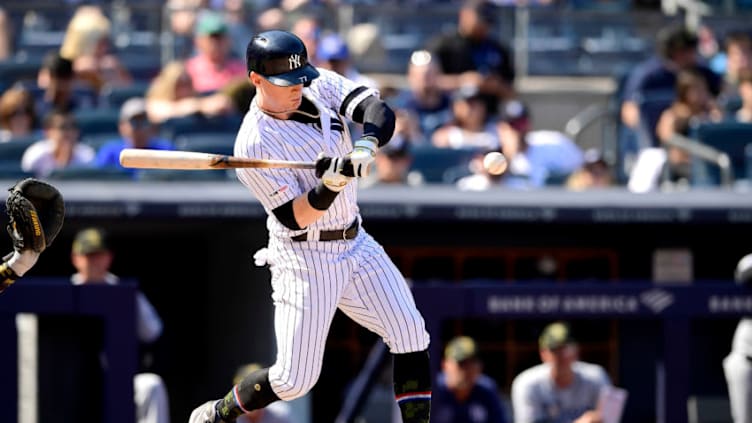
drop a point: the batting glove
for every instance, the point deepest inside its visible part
(363, 154)
(333, 172)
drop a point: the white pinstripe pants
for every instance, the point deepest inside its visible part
(310, 280)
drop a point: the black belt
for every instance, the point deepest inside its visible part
(339, 235)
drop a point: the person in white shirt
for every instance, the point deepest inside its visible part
(92, 257)
(59, 150)
(536, 157)
(562, 389)
(737, 366)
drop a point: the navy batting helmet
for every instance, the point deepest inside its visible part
(280, 57)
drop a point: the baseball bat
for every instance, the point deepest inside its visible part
(141, 158)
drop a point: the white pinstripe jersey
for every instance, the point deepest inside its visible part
(263, 137)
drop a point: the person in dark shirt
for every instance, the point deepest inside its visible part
(677, 50)
(471, 56)
(463, 394)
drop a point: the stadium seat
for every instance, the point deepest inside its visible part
(14, 150)
(173, 128)
(114, 96)
(96, 141)
(90, 174)
(433, 163)
(15, 70)
(97, 121)
(185, 175)
(731, 138)
(211, 142)
(11, 170)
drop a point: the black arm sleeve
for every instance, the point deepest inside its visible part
(377, 118)
(286, 216)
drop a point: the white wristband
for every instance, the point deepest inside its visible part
(22, 262)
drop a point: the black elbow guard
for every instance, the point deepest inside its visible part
(286, 216)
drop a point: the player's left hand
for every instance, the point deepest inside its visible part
(35, 215)
(363, 154)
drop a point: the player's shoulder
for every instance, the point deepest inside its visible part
(591, 371)
(530, 377)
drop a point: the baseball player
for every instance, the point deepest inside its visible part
(737, 366)
(320, 257)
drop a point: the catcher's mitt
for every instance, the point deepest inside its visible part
(36, 211)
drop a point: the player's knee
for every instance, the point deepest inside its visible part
(416, 340)
(294, 387)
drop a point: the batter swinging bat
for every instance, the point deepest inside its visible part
(190, 160)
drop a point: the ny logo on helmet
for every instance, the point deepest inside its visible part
(294, 61)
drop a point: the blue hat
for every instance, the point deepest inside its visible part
(332, 47)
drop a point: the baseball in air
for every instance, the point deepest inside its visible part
(495, 163)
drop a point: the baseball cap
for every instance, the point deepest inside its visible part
(516, 114)
(555, 335)
(461, 348)
(132, 107)
(332, 47)
(211, 23)
(89, 241)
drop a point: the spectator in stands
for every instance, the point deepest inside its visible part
(276, 412)
(393, 161)
(470, 126)
(56, 79)
(18, 117)
(59, 150)
(561, 389)
(594, 173)
(136, 131)
(536, 157)
(238, 26)
(471, 56)
(272, 18)
(92, 257)
(694, 104)
(171, 95)
(213, 66)
(677, 50)
(87, 45)
(462, 393)
(308, 29)
(333, 54)
(182, 21)
(6, 36)
(737, 366)
(744, 114)
(737, 56)
(424, 98)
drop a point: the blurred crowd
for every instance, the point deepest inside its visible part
(457, 100)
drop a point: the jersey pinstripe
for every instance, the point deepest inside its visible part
(311, 280)
(264, 137)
